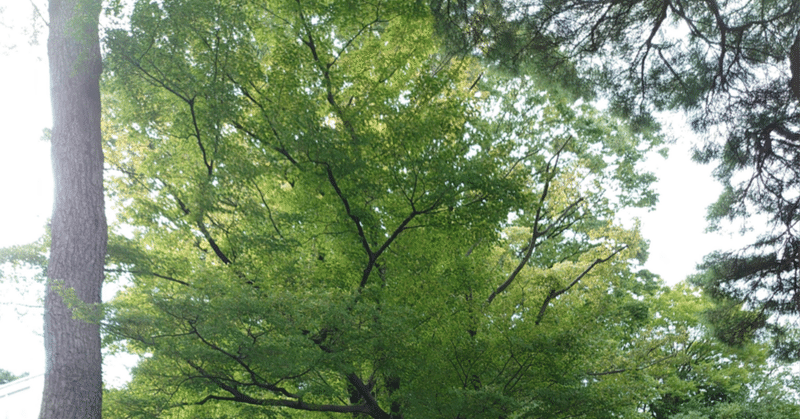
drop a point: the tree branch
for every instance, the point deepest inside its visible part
(536, 233)
(240, 397)
(371, 404)
(136, 272)
(293, 404)
(256, 379)
(553, 293)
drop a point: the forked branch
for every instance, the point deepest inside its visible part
(555, 293)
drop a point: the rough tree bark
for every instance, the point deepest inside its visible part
(73, 380)
(794, 65)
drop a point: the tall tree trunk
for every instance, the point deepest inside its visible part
(73, 380)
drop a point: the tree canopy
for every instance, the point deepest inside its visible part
(367, 209)
(401, 209)
(333, 215)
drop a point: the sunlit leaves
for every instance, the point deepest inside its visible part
(330, 214)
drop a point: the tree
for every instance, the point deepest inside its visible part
(733, 69)
(322, 200)
(73, 380)
(714, 377)
(7, 376)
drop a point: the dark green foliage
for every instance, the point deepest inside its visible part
(728, 65)
(513, 39)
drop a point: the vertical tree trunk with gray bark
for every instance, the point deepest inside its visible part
(73, 380)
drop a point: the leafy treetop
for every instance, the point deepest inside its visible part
(333, 215)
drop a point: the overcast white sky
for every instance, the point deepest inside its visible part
(675, 229)
(25, 192)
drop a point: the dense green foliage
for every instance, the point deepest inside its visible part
(409, 210)
(404, 210)
(333, 213)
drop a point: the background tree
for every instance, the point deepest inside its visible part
(713, 376)
(73, 380)
(732, 68)
(7, 377)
